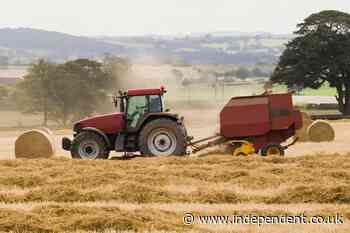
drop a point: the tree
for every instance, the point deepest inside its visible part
(64, 92)
(257, 72)
(33, 92)
(3, 92)
(78, 88)
(319, 54)
(243, 73)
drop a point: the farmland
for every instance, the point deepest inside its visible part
(153, 194)
(175, 117)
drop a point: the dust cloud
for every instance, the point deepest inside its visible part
(198, 102)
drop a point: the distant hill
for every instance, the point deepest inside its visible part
(23, 45)
(28, 42)
(206, 48)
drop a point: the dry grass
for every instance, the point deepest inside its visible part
(151, 218)
(212, 179)
(57, 218)
(152, 194)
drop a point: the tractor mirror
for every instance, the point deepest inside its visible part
(115, 101)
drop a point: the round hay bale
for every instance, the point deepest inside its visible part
(34, 144)
(320, 131)
(302, 133)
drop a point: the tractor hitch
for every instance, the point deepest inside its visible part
(66, 144)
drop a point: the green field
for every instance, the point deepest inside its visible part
(325, 90)
(208, 93)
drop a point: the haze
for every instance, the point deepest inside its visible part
(131, 17)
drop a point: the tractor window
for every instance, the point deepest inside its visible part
(137, 105)
(155, 103)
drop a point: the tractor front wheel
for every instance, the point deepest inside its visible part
(162, 137)
(272, 150)
(89, 146)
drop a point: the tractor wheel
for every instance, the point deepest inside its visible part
(162, 137)
(272, 150)
(89, 146)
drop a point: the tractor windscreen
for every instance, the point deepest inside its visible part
(138, 106)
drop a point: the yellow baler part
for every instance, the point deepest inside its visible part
(245, 147)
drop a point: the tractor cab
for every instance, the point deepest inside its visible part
(136, 104)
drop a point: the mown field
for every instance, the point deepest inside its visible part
(153, 194)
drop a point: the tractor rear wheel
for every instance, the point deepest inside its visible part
(162, 137)
(272, 150)
(89, 146)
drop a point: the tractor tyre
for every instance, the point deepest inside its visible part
(272, 150)
(162, 137)
(89, 146)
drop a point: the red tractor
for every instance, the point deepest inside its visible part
(248, 125)
(141, 125)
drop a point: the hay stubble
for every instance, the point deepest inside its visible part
(152, 193)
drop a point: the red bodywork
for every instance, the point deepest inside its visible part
(114, 123)
(145, 91)
(263, 119)
(109, 123)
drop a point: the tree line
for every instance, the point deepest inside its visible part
(69, 91)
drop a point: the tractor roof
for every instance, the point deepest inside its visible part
(146, 91)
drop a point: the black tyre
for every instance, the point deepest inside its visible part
(89, 146)
(162, 137)
(272, 150)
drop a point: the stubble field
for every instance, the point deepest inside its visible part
(63, 195)
(153, 194)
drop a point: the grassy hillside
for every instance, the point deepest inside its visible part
(24, 45)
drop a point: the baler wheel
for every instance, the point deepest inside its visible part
(272, 150)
